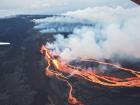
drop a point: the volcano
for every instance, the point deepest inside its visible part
(25, 81)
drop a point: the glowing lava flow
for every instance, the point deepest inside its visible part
(61, 68)
(54, 62)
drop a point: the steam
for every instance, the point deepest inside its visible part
(106, 15)
(115, 32)
(58, 24)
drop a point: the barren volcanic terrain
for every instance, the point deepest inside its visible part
(23, 79)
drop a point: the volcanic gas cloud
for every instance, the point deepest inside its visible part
(112, 31)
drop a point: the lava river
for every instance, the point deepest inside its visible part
(59, 69)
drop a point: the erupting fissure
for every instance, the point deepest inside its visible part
(60, 69)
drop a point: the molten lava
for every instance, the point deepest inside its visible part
(60, 69)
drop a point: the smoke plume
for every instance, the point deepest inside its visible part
(114, 31)
(56, 24)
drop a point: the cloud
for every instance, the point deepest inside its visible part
(58, 6)
(7, 14)
(115, 32)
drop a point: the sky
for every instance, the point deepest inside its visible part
(55, 6)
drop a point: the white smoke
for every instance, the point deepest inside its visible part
(106, 14)
(56, 24)
(116, 32)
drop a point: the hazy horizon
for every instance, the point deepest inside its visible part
(14, 7)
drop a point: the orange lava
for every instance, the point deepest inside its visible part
(60, 68)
